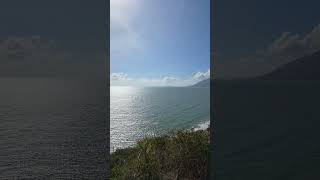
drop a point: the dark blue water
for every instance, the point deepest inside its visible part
(266, 130)
(52, 128)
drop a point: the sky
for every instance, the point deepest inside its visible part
(53, 38)
(252, 37)
(159, 42)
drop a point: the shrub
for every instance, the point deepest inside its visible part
(179, 155)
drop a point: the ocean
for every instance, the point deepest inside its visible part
(53, 128)
(266, 130)
(136, 112)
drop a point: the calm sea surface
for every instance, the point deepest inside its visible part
(266, 130)
(52, 129)
(142, 112)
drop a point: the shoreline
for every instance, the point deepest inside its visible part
(200, 126)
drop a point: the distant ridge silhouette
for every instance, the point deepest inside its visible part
(305, 68)
(203, 83)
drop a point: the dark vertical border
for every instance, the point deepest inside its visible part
(211, 154)
(107, 75)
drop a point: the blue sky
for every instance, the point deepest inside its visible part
(159, 42)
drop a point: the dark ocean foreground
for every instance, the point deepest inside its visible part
(53, 129)
(266, 130)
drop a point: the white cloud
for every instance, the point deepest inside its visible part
(287, 47)
(199, 76)
(169, 79)
(119, 76)
(122, 79)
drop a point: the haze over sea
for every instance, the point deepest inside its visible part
(138, 112)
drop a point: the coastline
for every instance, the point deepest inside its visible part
(200, 126)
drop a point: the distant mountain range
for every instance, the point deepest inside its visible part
(305, 68)
(203, 83)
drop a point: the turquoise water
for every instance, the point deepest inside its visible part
(142, 112)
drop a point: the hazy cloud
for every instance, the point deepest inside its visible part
(122, 33)
(287, 47)
(119, 76)
(122, 79)
(36, 56)
(169, 79)
(30, 49)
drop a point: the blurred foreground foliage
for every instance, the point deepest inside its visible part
(178, 155)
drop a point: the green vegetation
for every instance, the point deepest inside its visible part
(178, 155)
